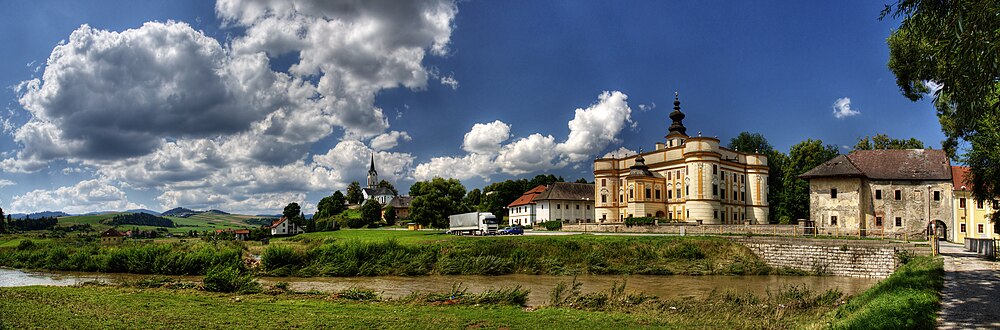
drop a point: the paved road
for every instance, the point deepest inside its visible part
(971, 295)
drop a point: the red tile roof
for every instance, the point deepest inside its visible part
(277, 222)
(242, 231)
(958, 177)
(528, 197)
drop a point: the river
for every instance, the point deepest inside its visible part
(665, 287)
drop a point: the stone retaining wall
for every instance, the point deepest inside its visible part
(854, 258)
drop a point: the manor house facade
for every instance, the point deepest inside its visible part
(684, 179)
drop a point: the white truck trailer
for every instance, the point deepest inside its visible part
(473, 223)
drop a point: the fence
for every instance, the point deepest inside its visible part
(986, 247)
(800, 230)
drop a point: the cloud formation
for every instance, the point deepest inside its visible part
(842, 108)
(486, 138)
(83, 197)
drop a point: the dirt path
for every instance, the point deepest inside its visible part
(971, 295)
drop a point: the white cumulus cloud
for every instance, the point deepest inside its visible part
(842, 108)
(389, 140)
(593, 128)
(85, 196)
(486, 138)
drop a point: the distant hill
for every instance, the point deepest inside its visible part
(36, 215)
(269, 215)
(215, 212)
(179, 212)
(144, 211)
(140, 219)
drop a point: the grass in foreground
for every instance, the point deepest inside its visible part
(155, 308)
(909, 299)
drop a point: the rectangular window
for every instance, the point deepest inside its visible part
(657, 194)
(604, 198)
(670, 175)
(833, 220)
(631, 194)
(649, 193)
(577, 206)
(604, 182)
(621, 198)
(898, 194)
(937, 195)
(878, 221)
(899, 221)
(723, 192)
(979, 228)
(715, 214)
(715, 189)
(558, 206)
(833, 193)
(588, 207)
(735, 195)
(743, 196)
(670, 194)
(604, 217)
(715, 169)
(878, 193)
(962, 227)
(961, 202)
(979, 205)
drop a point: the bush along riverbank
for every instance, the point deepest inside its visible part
(551, 255)
(908, 299)
(137, 258)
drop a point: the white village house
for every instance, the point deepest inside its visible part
(283, 227)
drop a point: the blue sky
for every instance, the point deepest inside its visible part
(248, 106)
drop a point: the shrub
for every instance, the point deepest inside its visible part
(359, 294)
(26, 244)
(278, 256)
(552, 225)
(641, 221)
(230, 279)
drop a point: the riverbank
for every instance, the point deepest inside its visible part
(402, 253)
(157, 308)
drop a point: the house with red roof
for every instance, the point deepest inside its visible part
(522, 210)
(284, 227)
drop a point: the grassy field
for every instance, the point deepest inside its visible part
(199, 222)
(909, 299)
(93, 307)
(375, 235)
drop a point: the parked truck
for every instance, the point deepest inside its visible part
(473, 223)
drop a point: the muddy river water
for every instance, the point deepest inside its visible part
(666, 287)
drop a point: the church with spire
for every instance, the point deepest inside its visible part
(381, 194)
(683, 178)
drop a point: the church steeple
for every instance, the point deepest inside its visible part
(372, 174)
(677, 127)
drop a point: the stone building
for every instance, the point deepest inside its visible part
(400, 205)
(522, 211)
(567, 202)
(972, 217)
(882, 192)
(684, 179)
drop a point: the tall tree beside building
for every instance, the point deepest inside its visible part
(948, 50)
(389, 214)
(331, 205)
(756, 143)
(354, 193)
(801, 158)
(293, 212)
(371, 212)
(883, 142)
(435, 200)
(473, 198)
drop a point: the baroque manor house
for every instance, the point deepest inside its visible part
(972, 217)
(684, 179)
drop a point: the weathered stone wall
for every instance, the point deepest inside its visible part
(854, 258)
(692, 229)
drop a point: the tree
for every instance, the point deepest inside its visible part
(371, 212)
(581, 180)
(883, 142)
(386, 184)
(389, 214)
(293, 213)
(953, 45)
(756, 143)
(331, 205)
(435, 200)
(3, 225)
(801, 158)
(354, 193)
(473, 198)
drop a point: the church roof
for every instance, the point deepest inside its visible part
(378, 191)
(567, 191)
(908, 164)
(528, 197)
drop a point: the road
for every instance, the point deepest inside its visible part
(971, 295)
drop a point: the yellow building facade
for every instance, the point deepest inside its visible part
(972, 218)
(683, 179)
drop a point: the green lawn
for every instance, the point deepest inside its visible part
(199, 223)
(909, 299)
